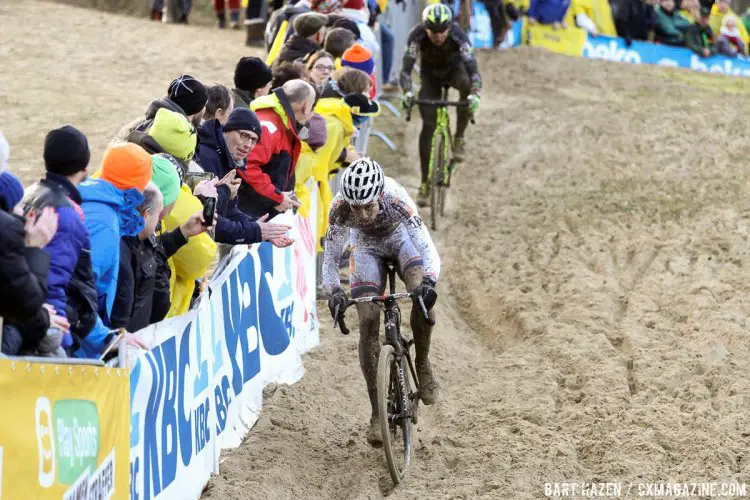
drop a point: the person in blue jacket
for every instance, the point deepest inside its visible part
(66, 159)
(222, 150)
(109, 205)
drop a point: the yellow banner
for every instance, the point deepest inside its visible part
(563, 41)
(64, 431)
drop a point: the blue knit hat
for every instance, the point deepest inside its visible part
(11, 191)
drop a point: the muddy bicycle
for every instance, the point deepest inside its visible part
(442, 164)
(397, 387)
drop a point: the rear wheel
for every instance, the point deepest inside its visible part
(436, 179)
(394, 408)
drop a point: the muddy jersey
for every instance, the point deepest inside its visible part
(396, 233)
(438, 62)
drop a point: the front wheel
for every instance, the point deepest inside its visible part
(436, 179)
(394, 411)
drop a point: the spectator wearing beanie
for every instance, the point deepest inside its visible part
(167, 175)
(23, 269)
(358, 57)
(224, 149)
(252, 78)
(178, 138)
(109, 207)
(66, 159)
(309, 33)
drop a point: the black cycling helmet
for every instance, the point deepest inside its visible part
(437, 17)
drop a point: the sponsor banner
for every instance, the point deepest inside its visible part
(568, 41)
(63, 431)
(200, 388)
(614, 49)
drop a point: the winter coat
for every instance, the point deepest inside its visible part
(715, 22)
(23, 278)
(192, 260)
(669, 28)
(340, 128)
(233, 226)
(270, 165)
(242, 98)
(136, 285)
(71, 237)
(110, 213)
(548, 11)
(296, 48)
(698, 38)
(633, 19)
(167, 245)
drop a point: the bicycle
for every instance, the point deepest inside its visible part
(441, 152)
(397, 388)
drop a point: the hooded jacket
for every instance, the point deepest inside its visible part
(233, 226)
(270, 165)
(71, 237)
(110, 213)
(340, 128)
(143, 124)
(193, 259)
(669, 28)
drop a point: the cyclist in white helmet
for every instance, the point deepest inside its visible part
(379, 219)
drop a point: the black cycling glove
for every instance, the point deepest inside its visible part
(337, 303)
(429, 295)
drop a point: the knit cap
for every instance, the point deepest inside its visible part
(126, 166)
(11, 191)
(66, 151)
(357, 56)
(174, 133)
(188, 93)
(166, 178)
(251, 73)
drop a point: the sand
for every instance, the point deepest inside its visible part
(593, 296)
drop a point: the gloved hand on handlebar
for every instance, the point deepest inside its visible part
(473, 103)
(428, 293)
(337, 303)
(406, 99)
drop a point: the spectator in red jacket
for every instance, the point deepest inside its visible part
(268, 176)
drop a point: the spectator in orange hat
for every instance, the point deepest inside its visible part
(109, 207)
(359, 57)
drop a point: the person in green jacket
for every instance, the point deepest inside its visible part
(669, 25)
(700, 37)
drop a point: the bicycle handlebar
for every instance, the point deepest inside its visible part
(379, 298)
(436, 102)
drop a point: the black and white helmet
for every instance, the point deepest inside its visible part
(362, 182)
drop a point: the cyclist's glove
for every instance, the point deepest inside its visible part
(473, 103)
(429, 295)
(337, 303)
(406, 99)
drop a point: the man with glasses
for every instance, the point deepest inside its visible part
(223, 149)
(446, 59)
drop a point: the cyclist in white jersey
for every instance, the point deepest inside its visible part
(379, 219)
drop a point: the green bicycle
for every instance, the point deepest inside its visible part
(442, 164)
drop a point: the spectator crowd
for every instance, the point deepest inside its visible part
(90, 254)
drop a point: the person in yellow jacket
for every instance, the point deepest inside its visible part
(594, 16)
(720, 9)
(177, 137)
(341, 115)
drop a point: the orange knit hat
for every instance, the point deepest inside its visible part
(127, 166)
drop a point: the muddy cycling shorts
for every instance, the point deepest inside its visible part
(367, 263)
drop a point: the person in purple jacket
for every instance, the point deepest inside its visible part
(66, 159)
